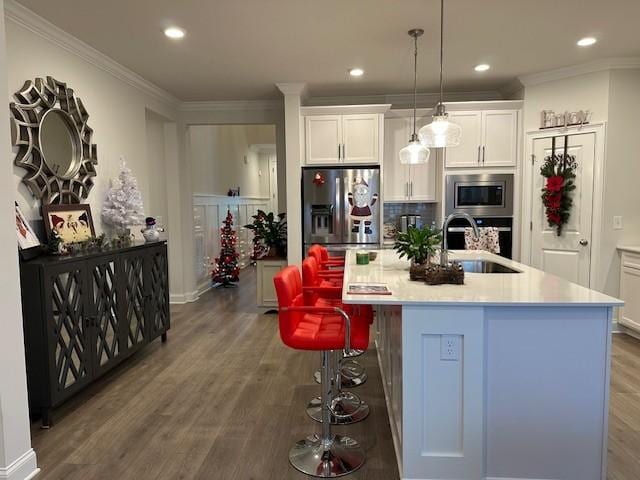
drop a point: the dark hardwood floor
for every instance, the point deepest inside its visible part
(222, 399)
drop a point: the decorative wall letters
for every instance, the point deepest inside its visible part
(551, 119)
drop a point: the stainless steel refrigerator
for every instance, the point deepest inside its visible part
(340, 207)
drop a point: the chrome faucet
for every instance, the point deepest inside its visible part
(444, 251)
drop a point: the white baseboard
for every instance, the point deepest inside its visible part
(182, 298)
(515, 478)
(24, 468)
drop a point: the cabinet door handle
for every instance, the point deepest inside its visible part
(406, 189)
(339, 154)
(411, 189)
(478, 153)
(344, 151)
(483, 154)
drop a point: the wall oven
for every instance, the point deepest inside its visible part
(480, 195)
(488, 198)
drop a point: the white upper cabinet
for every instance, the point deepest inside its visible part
(406, 183)
(360, 138)
(489, 139)
(323, 139)
(468, 153)
(342, 139)
(500, 135)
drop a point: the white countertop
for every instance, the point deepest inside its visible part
(530, 287)
(629, 248)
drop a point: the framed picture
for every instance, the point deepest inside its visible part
(71, 223)
(27, 238)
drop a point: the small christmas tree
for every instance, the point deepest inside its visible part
(123, 207)
(225, 271)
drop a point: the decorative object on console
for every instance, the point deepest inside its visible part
(452, 274)
(226, 271)
(414, 153)
(419, 245)
(151, 232)
(49, 127)
(28, 241)
(390, 231)
(440, 133)
(549, 119)
(68, 223)
(122, 207)
(559, 171)
(269, 235)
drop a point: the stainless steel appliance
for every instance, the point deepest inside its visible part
(340, 207)
(482, 195)
(488, 198)
(410, 220)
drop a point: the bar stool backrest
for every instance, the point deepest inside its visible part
(288, 284)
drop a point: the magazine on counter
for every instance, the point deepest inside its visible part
(368, 289)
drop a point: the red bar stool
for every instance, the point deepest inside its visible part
(320, 293)
(325, 262)
(322, 329)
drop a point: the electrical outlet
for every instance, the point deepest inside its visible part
(617, 222)
(450, 347)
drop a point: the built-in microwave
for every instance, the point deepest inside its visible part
(480, 195)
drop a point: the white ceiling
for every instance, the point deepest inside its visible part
(238, 49)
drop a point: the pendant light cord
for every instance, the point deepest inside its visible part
(415, 81)
(441, 45)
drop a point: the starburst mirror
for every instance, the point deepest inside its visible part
(49, 128)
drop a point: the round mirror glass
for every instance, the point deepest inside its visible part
(59, 143)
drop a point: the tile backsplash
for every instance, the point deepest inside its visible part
(393, 211)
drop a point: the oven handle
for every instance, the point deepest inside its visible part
(462, 229)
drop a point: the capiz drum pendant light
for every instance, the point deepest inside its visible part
(414, 153)
(440, 132)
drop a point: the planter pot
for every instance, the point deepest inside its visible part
(418, 271)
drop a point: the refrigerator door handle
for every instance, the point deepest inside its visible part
(337, 218)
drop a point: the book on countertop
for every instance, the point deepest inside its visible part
(368, 289)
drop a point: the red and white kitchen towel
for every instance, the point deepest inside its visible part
(488, 241)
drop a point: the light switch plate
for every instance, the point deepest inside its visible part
(450, 347)
(617, 222)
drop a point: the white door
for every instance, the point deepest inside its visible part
(396, 136)
(273, 183)
(499, 133)
(323, 136)
(360, 138)
(468, 153)
(568, 255)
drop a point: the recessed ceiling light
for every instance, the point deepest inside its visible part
(483, 67)
(586, 41)
(356, 72)
(174, 32)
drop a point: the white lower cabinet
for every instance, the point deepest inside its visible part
(266, 270)
(630, 290)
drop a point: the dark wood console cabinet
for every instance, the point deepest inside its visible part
(83, 315)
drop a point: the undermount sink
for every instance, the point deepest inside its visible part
(485, 266)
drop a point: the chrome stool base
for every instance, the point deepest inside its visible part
(353, 374)
(346, 408)
(329, 459)
(354, 353)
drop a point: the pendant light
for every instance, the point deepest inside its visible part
(440, 132)
(414, 153)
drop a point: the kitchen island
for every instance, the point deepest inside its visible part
(504, 377)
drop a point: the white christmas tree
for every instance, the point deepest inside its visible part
(123, 207)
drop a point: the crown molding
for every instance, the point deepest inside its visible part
(582, 69)
(31, 21)
(231, 105)
(292, 88)
(404, 100)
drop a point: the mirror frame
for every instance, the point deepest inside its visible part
(33, 101)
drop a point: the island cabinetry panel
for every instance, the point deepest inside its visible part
(84, 315)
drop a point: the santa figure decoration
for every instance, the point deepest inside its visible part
(361, 200)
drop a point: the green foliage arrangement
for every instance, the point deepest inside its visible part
(271, 231)
(418, 244)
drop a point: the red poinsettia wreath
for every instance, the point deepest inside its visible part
(559, 171)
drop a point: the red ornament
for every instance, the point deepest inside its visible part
(318, 179)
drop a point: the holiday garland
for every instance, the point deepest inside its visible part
(559, 171)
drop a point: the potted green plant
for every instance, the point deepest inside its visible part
(418, 245)
(270, 231)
